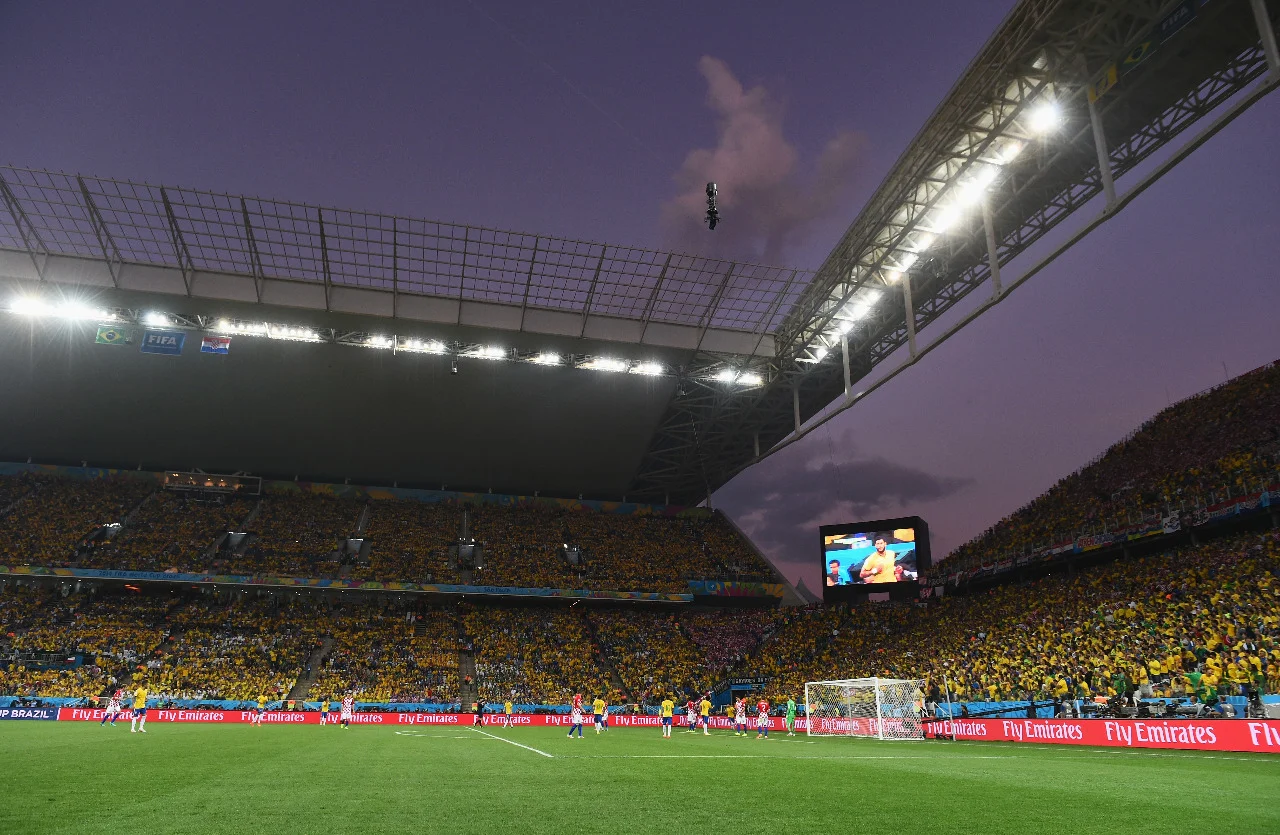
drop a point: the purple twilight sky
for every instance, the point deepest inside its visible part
(601, 122)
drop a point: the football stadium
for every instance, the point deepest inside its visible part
(327, 520)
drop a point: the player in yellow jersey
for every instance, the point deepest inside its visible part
(668, 710)
(506, 714)
(704, 710)
(324, 712)
(139, 722)
(261, 711)
(597, 712)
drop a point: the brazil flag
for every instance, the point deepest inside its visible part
(112, 336)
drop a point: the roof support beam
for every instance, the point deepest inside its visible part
(30, 237)
(1268, 34)
(993, 255)
(1104, 158)
(109, 249)
(910, 312)
(714, 304)
(591, 291)
(324, 260)
(648, 306)
(528, 282)
(254, 257)
(395, 266)
(180, 250)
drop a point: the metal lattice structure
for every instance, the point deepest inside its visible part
(988, 176)
(1128, 77)
(204, 235)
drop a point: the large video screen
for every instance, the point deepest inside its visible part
(873, 556)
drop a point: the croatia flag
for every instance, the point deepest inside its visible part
(215, 345)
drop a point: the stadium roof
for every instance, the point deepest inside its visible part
(730, 360)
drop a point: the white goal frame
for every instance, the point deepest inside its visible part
(878, 708)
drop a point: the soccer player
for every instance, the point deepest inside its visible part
(324, 712)
(139, 722)
(668, 708)
(740, 717)
(575, 720)
(597, 710)
(478, 717)
(691, 717)
(791, 716)
(113, 708)
(261, 711)
(506, 714)
(348, 708)
(762, 718)
(704, 714)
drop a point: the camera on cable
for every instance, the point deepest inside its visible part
(713, 214)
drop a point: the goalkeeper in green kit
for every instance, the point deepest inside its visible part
(791, 716)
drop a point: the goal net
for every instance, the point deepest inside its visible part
(884, 708)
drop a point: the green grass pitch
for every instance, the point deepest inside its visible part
(82, 778)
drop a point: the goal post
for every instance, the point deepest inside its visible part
(880, 708)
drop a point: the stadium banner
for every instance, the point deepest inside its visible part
(289, 717)
(355, 585)
(29, 713)
(167, 343)
(215, 345)
(733, 588)
(112, 336)
(1262, 735)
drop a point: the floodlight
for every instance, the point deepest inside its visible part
(606, 364)
(436, 347)
(27, 306)
(750, 379)
(971, 190)
(844, 327)
(651, 368)
(924, 241)
(908, 260)
(727, 375)
(820, 354)
(945, 219)
(1045, 118)
(380, 341)
(547, 358)
(1010, 152)
(224, 325)
(79, 310)
(156, 319)
(492, 352)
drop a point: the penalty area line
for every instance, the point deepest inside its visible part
(511, 742)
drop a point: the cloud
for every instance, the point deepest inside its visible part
(780, 503)
(767, 206)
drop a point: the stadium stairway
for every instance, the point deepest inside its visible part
(467, 693)
(303, 685)
(602, 658)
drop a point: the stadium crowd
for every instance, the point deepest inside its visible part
(1208, 448)
(58, 521)
(169, 531)
(381, 655)
(244, 648)
(1144, 624)
(52, 518)
(531, 655)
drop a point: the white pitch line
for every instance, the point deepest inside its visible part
(764, 757)
(510, 742)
